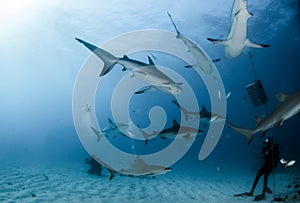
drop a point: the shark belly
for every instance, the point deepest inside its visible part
(201, 59)
(294, 109)
(237, 36)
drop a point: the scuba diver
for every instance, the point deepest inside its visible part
(96, 168)
(270, 152)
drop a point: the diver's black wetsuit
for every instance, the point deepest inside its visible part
(271, 154)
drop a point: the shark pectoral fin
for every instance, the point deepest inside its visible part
(139, 72)
(147, 89)
(188, 66)
(218, 41)
(254, 45)
(282, 97)
(279, 124)
(173, 84)
(216, 60)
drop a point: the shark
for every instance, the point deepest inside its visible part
(138, 169)
(149, 73)
(141, 168)
(288, 107)
(112, 127)
(171, 133)
(237, 36)
(202, 60)
(204, 115)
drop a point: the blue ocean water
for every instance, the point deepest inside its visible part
(40, 61)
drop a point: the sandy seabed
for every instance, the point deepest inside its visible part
(71, 183)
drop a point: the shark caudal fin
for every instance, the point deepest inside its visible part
(98, 134)
(177, 31)
(108, 59)
(184, 110)
(254, 45)
(246, 132)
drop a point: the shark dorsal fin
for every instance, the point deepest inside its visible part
(125, 57)
(175, 123)
(282, 97)
(150, 61)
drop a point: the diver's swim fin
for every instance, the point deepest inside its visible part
(259, 197)
(245, 194)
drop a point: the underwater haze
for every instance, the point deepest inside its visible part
(40, 61)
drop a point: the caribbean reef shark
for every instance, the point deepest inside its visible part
(290, 105)
(202, 60)
(112, 127)
(172, 132)
(203, 115)
(140, 169)
(147, 72)
(237, 36)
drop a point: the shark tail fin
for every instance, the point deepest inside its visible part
(107, 68)
(146, 136)
(98, 134)
(184, 110)
(108, 64)
(112, 174)
(177, 31)
(254, 45)
(246, 132)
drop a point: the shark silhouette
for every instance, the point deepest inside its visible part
(147, 72)
(203, 115)
(237, 36)
(290, 105)
(112, 127)
(202, 60)
(171, 133)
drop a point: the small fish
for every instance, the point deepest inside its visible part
(229, 94)
(287, 163)
(219, 169)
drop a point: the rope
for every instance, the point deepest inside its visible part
(252, 64)
(270, 135)
(267, 113)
